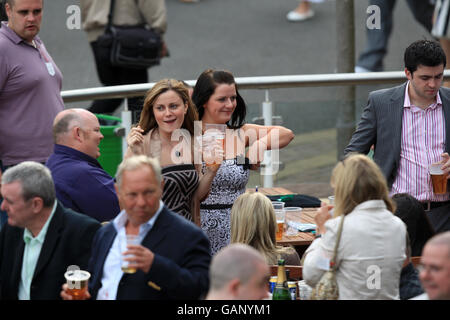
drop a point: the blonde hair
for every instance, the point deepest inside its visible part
(253, 222)
(147, 120)
(356, 179)
(134, 162)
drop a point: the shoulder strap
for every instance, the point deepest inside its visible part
(338, 239)
(110, 14)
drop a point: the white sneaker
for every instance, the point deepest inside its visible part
(359, 69)
(295, 16)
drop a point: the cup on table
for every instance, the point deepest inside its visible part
(77, 283)
(214, 134)
(331, 200)
(278, 207)
(131, 239)
(290, 213)
(438, 178)
(304, 291)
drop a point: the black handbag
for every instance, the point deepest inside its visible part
(135, 47)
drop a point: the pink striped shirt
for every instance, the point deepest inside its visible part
(422, 143)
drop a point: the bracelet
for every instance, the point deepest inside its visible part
(318, 236)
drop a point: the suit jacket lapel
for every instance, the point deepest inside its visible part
(158, 231)
(395, 112)
(17, 263)
(51, 239)
(445, 99)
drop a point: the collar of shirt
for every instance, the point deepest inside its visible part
(28, 236)
(407, 102)
(10, 34)
(122, 218)
(73, 153)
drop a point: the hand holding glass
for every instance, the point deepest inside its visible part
(214, 143)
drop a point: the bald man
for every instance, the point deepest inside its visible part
(80, 181)
(435, 268)
(238, 272)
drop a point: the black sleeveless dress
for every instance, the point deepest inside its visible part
(180, 183)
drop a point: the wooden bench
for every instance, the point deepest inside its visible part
(295, 272)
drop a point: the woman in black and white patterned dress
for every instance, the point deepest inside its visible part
(218, 102)
(167, 108)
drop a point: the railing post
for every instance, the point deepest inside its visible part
(267, 170)
(345, 24)
(126, 123)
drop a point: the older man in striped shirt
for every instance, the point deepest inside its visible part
(409, 126)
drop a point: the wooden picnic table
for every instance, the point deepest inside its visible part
(301, 239)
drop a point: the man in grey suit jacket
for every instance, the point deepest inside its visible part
(409, 127)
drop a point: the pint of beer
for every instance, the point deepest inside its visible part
(438, 178)
(131, 239)
(280, 214)
(214, 134)
(77, 283)
(280, 229)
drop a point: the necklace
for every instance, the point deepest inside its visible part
(177, 153)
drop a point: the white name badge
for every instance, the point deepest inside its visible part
(50, 68)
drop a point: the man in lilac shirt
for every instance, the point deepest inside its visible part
(409, 126)
(81, 183)
(30, 85)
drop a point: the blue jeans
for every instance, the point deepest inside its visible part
(377, 39)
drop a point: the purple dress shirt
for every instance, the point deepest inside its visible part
(82, 185)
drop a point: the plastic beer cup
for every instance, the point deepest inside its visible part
(77, 283)
(280, 214)
(131, 239)
(438, 178)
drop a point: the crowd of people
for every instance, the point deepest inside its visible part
(200, 234)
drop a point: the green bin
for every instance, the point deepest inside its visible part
(111, 144)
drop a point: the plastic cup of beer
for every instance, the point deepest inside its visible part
(438, 178)
(280, 214)
(214, 134)
(77, 283)
(131, 239)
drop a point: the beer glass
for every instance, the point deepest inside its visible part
(131, 239)
(278, 207)
(77, 283)
(214, 133)
(438, 178)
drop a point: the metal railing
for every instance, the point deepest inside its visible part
(264, 83)
(269, 82)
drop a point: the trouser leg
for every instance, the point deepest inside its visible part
(110, 75)
(377, 39)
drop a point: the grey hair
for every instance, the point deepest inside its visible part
(136, 162)
(35, 179)
(235, 261)
(63, 125)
